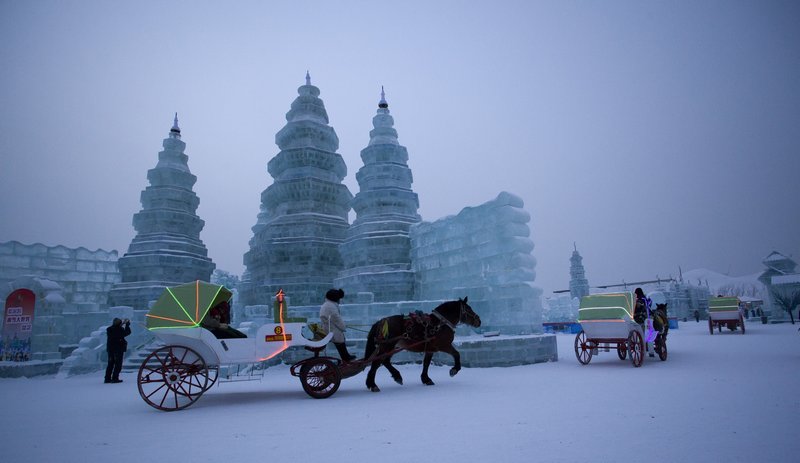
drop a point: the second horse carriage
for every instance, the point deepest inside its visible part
(608, 322)
(725, 311)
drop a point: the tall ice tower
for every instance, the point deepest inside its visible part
(377, 250)
(578, 284)
(167, 249)
(303, 218)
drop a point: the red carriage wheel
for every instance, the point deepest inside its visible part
(622, 350)
(583, 350)
(213, 373)
(172, 378)
(661, 347)
(710, 327)
(320, 378)
(636, 348)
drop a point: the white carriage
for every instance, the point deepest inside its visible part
(607, 322)
(176, 375)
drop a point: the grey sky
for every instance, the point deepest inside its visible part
(653, 134)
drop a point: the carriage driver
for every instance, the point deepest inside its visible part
(332, 322)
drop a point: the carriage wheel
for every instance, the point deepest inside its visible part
(213, 373)
(636, 348)
(172, 378)
(710, 327)
(582, 348)
(622, 350)
(320, 378)
(741, 322)
(661, 347)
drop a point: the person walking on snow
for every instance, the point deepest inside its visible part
(332, 322)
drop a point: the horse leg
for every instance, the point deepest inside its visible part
(456, 359)
(371, 376)
(426, 380)
(396, 376)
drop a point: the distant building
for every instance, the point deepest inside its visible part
(780, 275)
(578, 284)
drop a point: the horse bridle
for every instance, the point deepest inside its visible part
(447, 322)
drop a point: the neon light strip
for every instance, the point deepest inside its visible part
(615, 320)
(283, 328)
(603, 308)
(285, 345)
(196, 300)
(171, 319)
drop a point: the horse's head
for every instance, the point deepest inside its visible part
(662, 307)
(467, 315)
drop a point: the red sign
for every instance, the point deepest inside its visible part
(15, 343)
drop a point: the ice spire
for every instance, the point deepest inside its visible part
(175, 131)
(308, 78)
(383, 103)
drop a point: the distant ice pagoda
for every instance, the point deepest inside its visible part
(578, 284)
(167, 249)
(303, 217)
(377, 250)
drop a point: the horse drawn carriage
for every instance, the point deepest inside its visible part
(608, 322)
(174, 376)
(725, 311)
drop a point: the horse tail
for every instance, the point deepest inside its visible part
(373, 332)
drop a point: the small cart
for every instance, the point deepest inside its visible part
(725, 311)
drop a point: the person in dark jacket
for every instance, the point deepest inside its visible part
(116, 345)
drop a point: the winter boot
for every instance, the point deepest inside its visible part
(342, 348)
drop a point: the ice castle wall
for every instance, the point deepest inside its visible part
(484, 252)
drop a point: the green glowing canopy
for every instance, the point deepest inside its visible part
(611, 306)
(723, 304)
(184, 306)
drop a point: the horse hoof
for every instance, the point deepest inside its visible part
(428, 382)
(375, 389)
(453, 372)
(398, 380)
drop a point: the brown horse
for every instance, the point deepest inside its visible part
(419, 332)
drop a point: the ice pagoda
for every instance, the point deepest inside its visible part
(377, 250)
(578, 284)
(303, 214)
(167, 249)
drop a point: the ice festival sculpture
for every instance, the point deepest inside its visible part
(167, 249)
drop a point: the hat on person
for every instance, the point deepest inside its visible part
(334, 294)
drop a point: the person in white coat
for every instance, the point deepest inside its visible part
(332, 322)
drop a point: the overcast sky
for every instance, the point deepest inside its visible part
(655, 134)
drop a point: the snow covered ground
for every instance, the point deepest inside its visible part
(717, 398)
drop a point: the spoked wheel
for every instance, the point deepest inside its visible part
(636, 348)
(582, 348)
(622, 350)
(320, 378)
(213, 373)
(173, 377)
(710, 327)
(661, 347)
